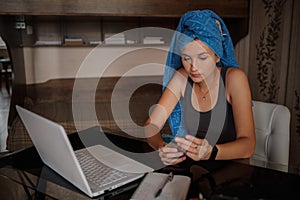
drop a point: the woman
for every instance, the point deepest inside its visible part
(206, 96)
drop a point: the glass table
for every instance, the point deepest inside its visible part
(24, 176)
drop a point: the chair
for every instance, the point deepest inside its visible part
(272, 129)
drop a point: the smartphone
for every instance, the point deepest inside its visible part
(171, 142)
(168, 138)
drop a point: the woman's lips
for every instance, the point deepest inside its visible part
(196, 75)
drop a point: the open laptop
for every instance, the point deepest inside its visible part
(79, 167)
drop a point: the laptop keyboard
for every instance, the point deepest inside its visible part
(96, 172)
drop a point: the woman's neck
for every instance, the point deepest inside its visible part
(210, 82)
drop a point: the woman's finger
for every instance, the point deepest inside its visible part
(191, 147)
(172, 161)
(167, 149)
(183, 141)
(200, 152)
(194, 139)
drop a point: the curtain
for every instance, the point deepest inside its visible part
(270, 55)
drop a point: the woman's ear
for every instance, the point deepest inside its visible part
(218, 59)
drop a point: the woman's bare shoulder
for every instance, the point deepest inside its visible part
(182, 72)
(235, 74)
(180, 75)
(178, 82)
(236, 82)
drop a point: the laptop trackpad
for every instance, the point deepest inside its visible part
(116, 160)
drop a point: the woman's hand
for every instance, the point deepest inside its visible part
(196, 148)
(170, 155)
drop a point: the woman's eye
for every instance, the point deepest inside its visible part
(203, 57)
(186, 58)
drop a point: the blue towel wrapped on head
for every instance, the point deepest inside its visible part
(208, 27)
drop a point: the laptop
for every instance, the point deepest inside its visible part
(94, 170)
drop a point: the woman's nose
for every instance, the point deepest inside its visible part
(193, 68)
(194, 64)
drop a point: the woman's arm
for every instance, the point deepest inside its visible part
(239, 95)
(164, 108)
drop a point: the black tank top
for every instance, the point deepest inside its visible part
(216, 125)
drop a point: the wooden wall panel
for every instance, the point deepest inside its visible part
(160, 8)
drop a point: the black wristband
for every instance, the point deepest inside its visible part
(213, 153)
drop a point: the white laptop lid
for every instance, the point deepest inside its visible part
(54, 147)
(56, 151)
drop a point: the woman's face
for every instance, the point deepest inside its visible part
(198, 60)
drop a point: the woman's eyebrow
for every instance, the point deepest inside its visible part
(199, 54)
(202, 53)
